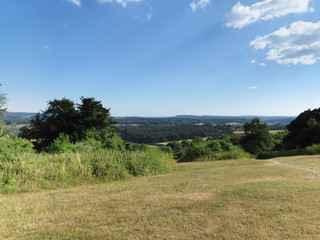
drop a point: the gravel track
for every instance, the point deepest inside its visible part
(317, 173)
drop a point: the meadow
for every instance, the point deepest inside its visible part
(227, 199)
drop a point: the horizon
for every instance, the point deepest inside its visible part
(163, 58)
(183, 115)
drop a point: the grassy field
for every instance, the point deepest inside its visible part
(238, 199)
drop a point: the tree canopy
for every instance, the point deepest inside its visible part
(304, 130)
(257, 137)
(3, 101)
(63, 116)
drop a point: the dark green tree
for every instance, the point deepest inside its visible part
(257, 137)
(304, 130)
(3, 101)
(77, 121)
(60, 117)
(94, 117)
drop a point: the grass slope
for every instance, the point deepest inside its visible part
(242, 199)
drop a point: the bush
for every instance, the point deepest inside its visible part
(135, 147)
(12, 148)
(194, 151)
(234, 154)
(313, 150)
(61, 144)
(286, 153)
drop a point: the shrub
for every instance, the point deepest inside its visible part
(193, 151)
(11, 149)
(214, 146)
(234, 154)
(61, 144)
(313, 150)
(286, 153)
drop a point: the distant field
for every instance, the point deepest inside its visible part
(271, 131)
(225, 200)
(165, 143)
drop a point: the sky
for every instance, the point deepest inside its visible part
(163, 57)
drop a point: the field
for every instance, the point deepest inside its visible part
(234, 199)
(271, 131)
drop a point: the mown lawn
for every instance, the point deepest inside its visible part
(234, 199)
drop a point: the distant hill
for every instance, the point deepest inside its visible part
(192, 119)
(18, 117)
(24, 118)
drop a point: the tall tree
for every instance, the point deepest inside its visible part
(94, 120)
(3, 101)
(74, 120)
(257, 137)
(304, 130)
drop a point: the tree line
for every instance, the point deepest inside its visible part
(66, 120)
(150, 135)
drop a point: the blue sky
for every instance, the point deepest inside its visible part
(163, 57)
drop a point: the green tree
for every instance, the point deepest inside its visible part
(77, 121)
(94, 117)
(3, 101)
(60, 117)
(304, 130)
(257, 137)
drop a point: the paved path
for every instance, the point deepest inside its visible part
(295, 167)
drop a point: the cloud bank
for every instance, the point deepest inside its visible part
(200, 4)
(241, 16)
(297, 44)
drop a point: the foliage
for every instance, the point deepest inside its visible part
(193, 152)
(14, 146)
(172, 133)
(25, 171)
(278, 123)
(65, 117)
(223, 148)
(233, 154)
(257, 137)
(309, 150)
(135, 147)
(278, 140)
(3, 101)
(61, 144)
(304, 130)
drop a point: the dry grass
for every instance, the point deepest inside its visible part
(243, 199)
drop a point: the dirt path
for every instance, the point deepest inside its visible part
(295, 167)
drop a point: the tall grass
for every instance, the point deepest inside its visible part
(29, 171)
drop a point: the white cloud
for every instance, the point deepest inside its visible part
(76, 2)
(253, 61)
(262, 64)
(199, 4)
(297, 44)
(150, 14)
(252, 87)
(241, 15)
(123, 3)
